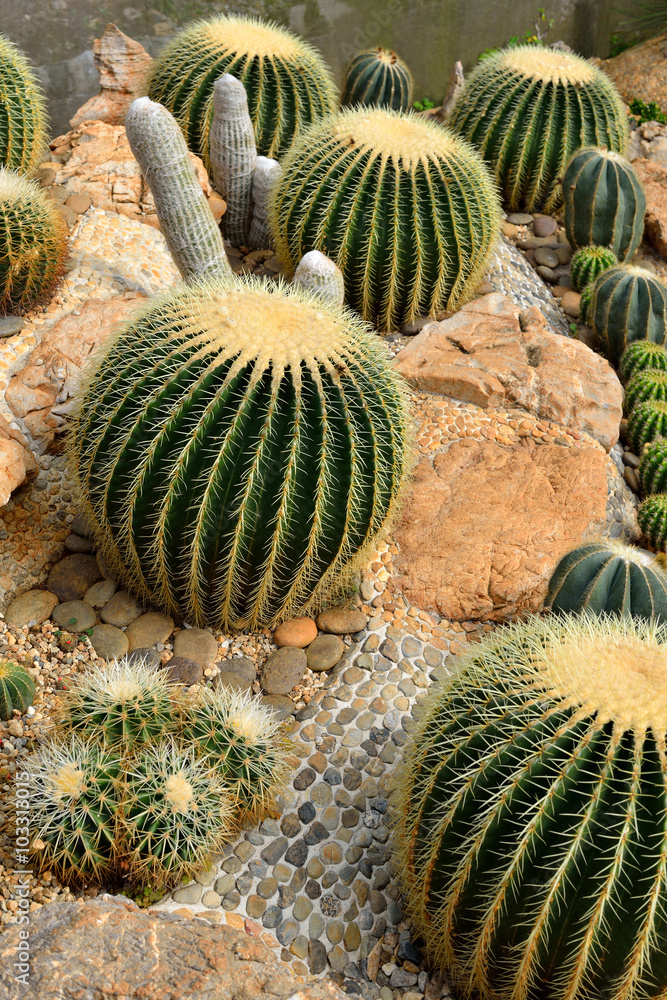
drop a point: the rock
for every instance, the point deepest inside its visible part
(75, 543)
(144, 654)
(520, 218)
(31, 608)
(106, 947)
(570, 303)
(283, 706)
(16, 461)
(546, 256)
(298, 632)
(109, 642)
(78, 203)
(492, 354)
(100, 593)
(544, 225)
(324, 652)
(283, 670)
(240, 665)
(218, 206)
(181, 670)
(121, 610)
(81, 526)
(149, 629)
(342, 621)
(196, 644)
(104, 567)
(486, 525)
(72, 576)
(510, 230)
(10, 325)
(227, 679)
(123, 65)
(75, 616)
(654, 178)
(641, 71)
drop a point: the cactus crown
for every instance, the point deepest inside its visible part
(642, 355)
(546, 65)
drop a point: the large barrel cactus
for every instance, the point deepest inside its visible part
(23, 139)
(406, 209)
(286, 80)
(238, 448)
(532, 814)
(627, 303)
(604, 202)
(527, 109)
(377, 78)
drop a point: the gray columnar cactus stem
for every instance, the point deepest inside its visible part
(267, 174)
(186, 221)
(233, 156)
(318, 274)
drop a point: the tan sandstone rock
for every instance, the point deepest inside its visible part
(123, 66)
(492, 354)
(641, 71)
(654, 178)
(16, 462)
(486, 524)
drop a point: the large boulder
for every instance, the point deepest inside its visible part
(641, 71)
(123, 66)
(107, 948)
(654, 178)
(16, 461)
(494, 355)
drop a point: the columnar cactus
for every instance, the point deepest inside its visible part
(379, 79)
(646, 422)
(652, 519)
(232, 156)
(34, 244)
(266, 176)
(317, 274)
(589, 262)
(604, 202)
(238, 448)
(23, 138)
(287, 82)
(406, 209)
(585, 302)
(608, 578)
(643, 386)
(642, 355)
(527, 109)
(653, 467)
(17, 689)
(532, 807)
(627, 303)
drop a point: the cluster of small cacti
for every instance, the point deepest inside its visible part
(23, 138)
(652, 519)
(377, 78)
(645, 385)
(627, 303)
(17, 689)
(588, 263)
(640, 356)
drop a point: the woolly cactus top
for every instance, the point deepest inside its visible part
(404, 138)
(548, 65)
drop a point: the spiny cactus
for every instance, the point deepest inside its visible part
(527, 109)
(585, 302)
(642, 355)
(233, 156)
(608, 578)
(643, 386)
(23, 138)
(320, 276)
(531, 837)
(186, 221)
(75, 792)
(588, 262)
(627, 303)
(287, 82)
(646, 422)
(653, 467)
(604, 202)
(652, 519)
(379, 79)
(238, 448)
(406, 210)
(266, 176)
(120, 704)
(17, 689)
(34, 244)
(244, 743)
(175, 814)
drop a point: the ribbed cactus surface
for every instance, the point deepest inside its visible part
(286, 80)
(532, 814)
(318, 275)
(585, 302)
(239, 447)
(646, 422)
(17, 689)
(23, 138)
(406, 209)
(627, 303)
(377, 78)
(653, 467)
(645, 385)
(527, 109)
(604, 202)
(589, 262)
(266, 176)
(232, 156)
(652, 519)
(642, 355)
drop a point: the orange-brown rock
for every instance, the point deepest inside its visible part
(641, 71)
(298, 632)
(654, 178)
(486, 524)
(123, 66)
(492, 354)
(16, 462)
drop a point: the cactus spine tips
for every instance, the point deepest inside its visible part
(316, 273)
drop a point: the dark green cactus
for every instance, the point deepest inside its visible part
(653, 467)
(379, 79)
(608, 578)
(627, 303)
(588, 263)
(23, 138)
(238, 448)
(646, 422)
(643, 386)
(17, 689)
(531, 807)
(604, 202)
(652, 519)
(527, 109)
(642, 355)
(585, 302)
(286, 80)
(406, 209)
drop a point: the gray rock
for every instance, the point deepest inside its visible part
(109, 642)
(121, 609)
(546, 256)
(75, 543)
(281, 704)
(520, 218)
(283, 670)
(544, 225)
(33, 607)
(324, 652)
(81, 526)
(547, 274)
(150, 657)
(149, 629)
(76, 616)
(226, 679)
(196, 644)
(341, 621)
(181, 670)
(104, 568)
(187, 894)
(10, 325)
(72, 576)
(241, 665)
(100, 593)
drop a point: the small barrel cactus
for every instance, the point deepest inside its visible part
(287, 82)
(359, 187)
(317, 274)
(17, 689)
(589, 262)
(34, 243)
(232, 156)
(652, 519)
(653, 467)
(627, 303)
(585, 302)
(238, 448)
(640, 356)
(645, 385)
(527, 109)
(266, 176)
(604, 202)
(23, 138)
(647, 421)
(531, 838)
(379, 79)
(608, 578)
